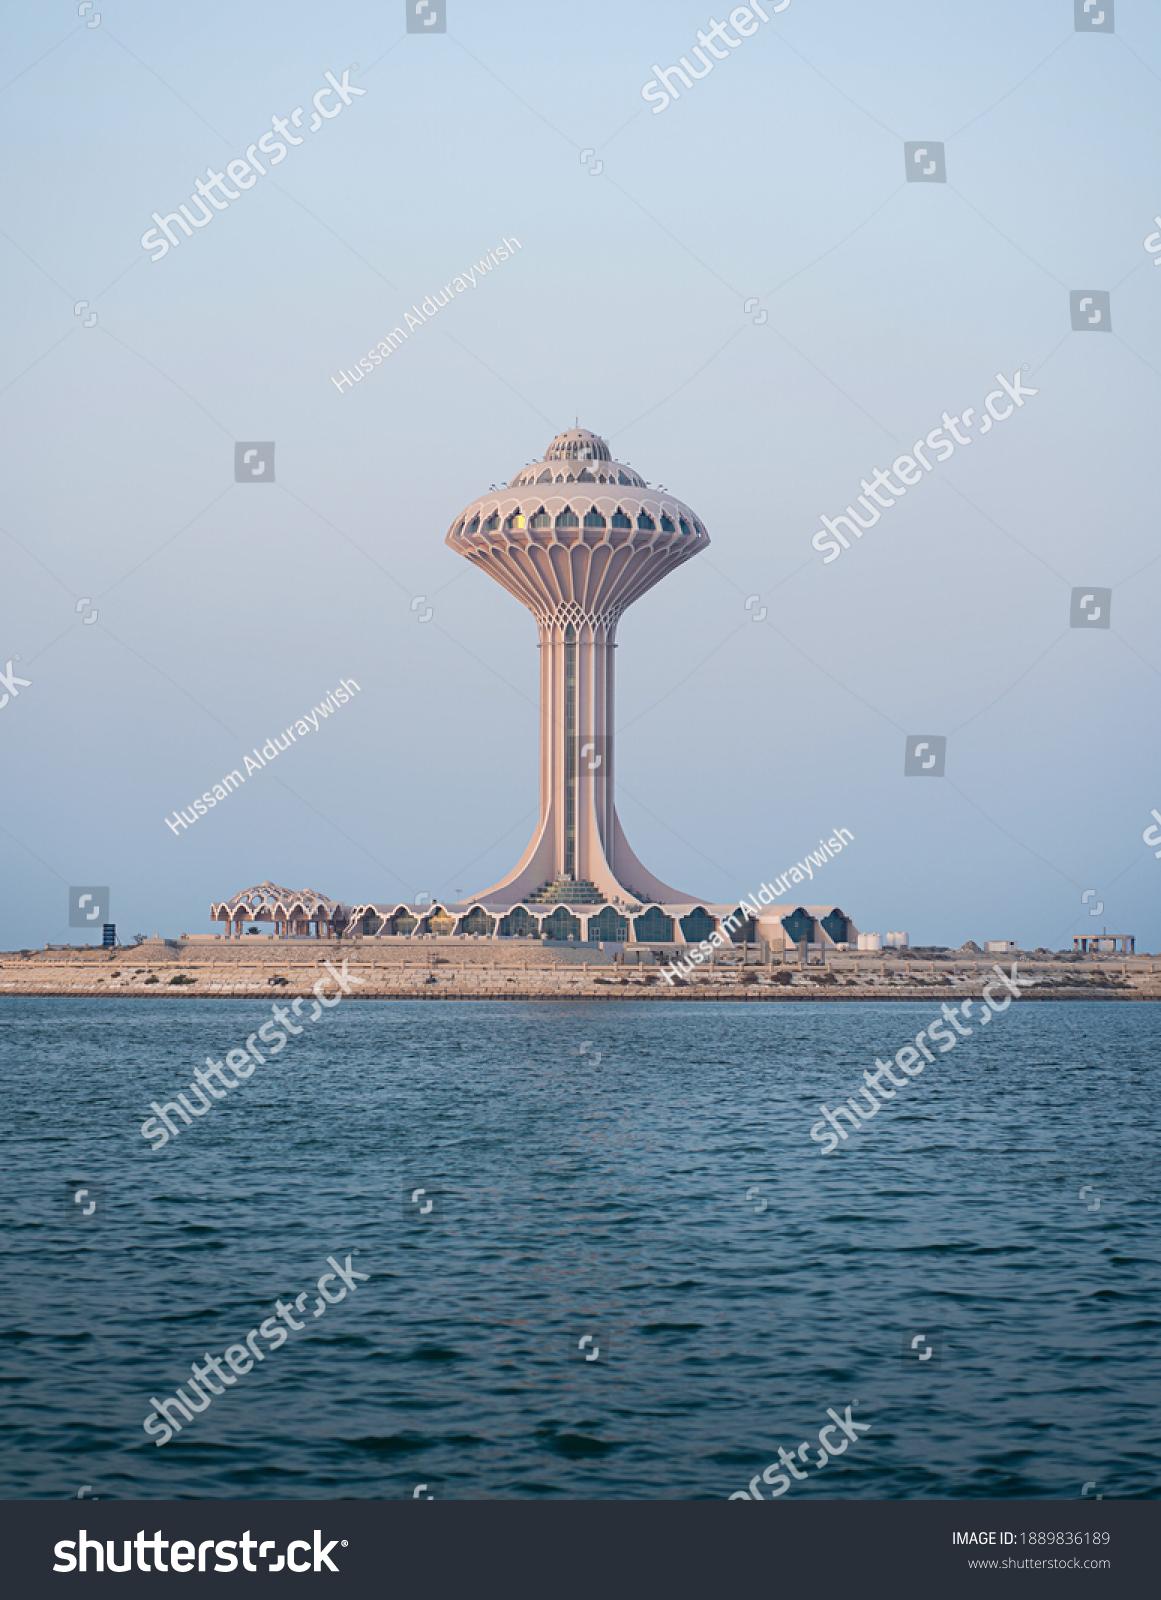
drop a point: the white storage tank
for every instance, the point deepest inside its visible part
(870, 941)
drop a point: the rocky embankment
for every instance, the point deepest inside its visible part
(454, 969)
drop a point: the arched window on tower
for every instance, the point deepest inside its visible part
(541, 519)
(568, 519)
(620, 520)
(593, 519)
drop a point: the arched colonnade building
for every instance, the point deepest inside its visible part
(306, 914)
(823, 927)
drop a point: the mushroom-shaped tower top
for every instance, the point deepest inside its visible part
(577, 533)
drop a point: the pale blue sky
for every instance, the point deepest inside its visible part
(225, 610)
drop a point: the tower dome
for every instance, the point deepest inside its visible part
(577, 444)
(578, 537)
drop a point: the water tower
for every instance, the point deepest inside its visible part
(577, 538)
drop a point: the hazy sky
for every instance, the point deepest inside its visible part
(227, 610)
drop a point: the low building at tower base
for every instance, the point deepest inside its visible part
(563, 910)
